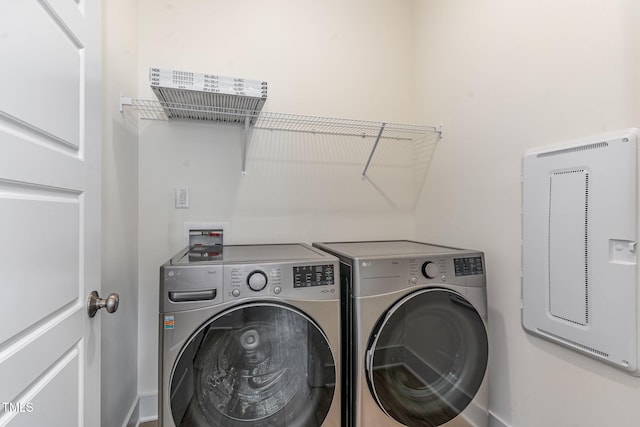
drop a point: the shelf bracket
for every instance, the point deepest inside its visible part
(125, 101)
(245, 142)
(373, 149)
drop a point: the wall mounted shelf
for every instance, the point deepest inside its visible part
(156, 110)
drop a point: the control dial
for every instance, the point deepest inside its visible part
(257, 280)
(429, 270)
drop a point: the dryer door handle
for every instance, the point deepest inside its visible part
(369, 361)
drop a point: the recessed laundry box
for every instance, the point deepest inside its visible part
(579, 246)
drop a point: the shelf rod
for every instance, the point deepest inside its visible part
(245, 143)
(373, 149)
(336, 133)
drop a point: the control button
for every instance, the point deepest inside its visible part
(257, 280)
(277, 290)
(414, 280)
(235, 292)
(443, 267)
(430, 269)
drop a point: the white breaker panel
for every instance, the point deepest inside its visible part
(579, 246)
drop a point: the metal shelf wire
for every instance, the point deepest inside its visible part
(156, 110)
(337, 126)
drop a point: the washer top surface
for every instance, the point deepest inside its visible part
(387, 248)
(229, 254)
(272, 253)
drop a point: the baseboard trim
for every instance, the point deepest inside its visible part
(495, 421)
(149, 407)
(143, 409)
(133, 414)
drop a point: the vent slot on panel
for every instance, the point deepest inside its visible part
(575, 149)
(568, 246)
(570, 343)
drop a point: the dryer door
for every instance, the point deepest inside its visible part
(427, 357)
(255, 365)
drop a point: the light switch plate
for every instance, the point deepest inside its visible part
(182, 198)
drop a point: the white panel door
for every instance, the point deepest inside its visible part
(49, 212)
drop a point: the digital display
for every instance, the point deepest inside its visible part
(305, 276)
(468, 266)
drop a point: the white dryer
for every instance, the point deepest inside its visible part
(415, 330)
(249, 337)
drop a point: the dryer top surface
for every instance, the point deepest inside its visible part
(387, 249)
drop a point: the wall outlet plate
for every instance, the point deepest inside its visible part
(182, 198)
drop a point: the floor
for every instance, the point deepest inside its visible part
(149, 424)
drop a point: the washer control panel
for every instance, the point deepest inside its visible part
(313, 275)
(312, 280)
(257, 280)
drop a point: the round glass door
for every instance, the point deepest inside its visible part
(427, 358)
(255, 365)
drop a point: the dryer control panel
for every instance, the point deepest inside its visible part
(451, 269)
(468, 266)
(380, 275)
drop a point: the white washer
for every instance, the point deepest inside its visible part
(415, 320)
(249, 337)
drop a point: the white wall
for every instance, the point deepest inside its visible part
(500, 76)
(335, 58)
(119, 213)
(503, 77)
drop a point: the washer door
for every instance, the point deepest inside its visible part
(427, 357)
(255, 365)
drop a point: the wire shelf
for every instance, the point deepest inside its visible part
(157, 110)
(337, 126)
